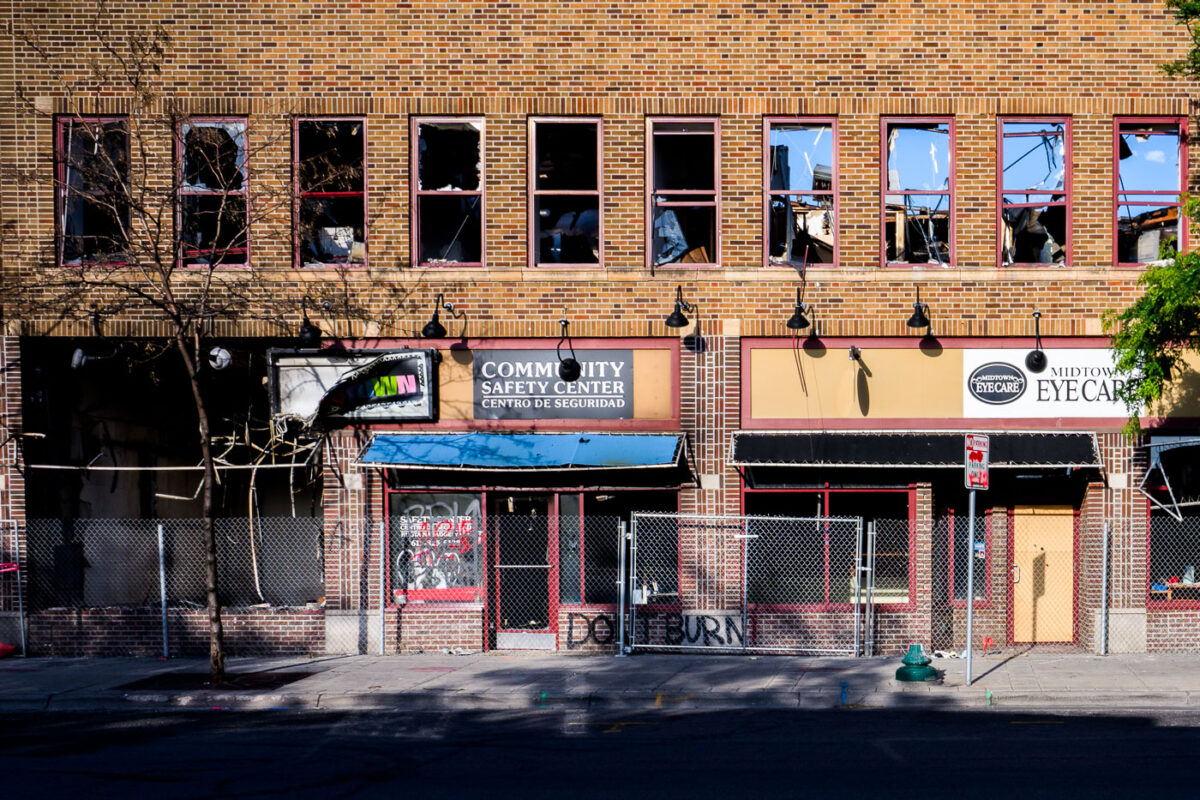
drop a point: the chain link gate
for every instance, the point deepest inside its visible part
(750, 584)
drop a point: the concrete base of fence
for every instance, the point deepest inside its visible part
(351, 632)
(1126, 630)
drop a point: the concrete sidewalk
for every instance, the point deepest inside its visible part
(496, 681)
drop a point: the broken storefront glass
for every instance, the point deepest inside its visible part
(1149, 183)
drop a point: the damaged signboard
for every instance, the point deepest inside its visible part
(322, 389)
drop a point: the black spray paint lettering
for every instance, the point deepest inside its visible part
(695, 629)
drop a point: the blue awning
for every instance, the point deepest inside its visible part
(522, 451)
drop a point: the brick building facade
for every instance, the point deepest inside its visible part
(633, 96)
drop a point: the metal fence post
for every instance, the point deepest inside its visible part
(860, 574)
(1104, 591)
(622, 549)
(162, 586)
(745, 583)
(382, 588)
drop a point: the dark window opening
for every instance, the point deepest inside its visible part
(93, 190)
(683, 197)
(331, 190)
(1175, 555)
(918, 201)
(213, 210)
(449, 192)
(602, 516)
(566, 192)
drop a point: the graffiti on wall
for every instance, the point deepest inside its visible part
(658, 627)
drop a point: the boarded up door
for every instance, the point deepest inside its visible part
(1044, 574)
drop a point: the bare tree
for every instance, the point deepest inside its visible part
(154, 211)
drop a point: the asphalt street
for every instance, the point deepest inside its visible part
(841, 753)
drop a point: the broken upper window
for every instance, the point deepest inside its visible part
(92, 181)
(919, 199)
(331, 211)
(448, 192)
(1150, 176)
(685, 173)
(566, 191)
(213, 217)
(801, 193)
(1035, 201)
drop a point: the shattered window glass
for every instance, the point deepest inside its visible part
(1149, 182)
(918, 201)
(331, 188)
(683, 197)
(801, 211)
(1034, 206)
(566, 191)
(93, 190)
(449, 192)
(212, 205)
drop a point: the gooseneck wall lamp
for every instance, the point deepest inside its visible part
(676, 318)
(798, 320)
(569, 368)
(309, 335)
(920, 315)
(434, 329)
(1036, 360)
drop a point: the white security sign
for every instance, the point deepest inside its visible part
(1077, 382)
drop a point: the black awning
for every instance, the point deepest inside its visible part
(918, 449)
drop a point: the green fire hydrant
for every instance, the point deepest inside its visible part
(916, 666)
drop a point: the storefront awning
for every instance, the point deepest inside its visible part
(523, 451)
(923, 449)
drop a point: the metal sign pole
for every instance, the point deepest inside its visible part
(162, 585)
(970, 581)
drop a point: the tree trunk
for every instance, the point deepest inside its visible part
(216, 630)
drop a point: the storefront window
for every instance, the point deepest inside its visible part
(435, 546)
(1175, 556)
(589, 540)
(815, 565)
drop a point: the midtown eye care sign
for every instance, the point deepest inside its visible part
(1076, 382)
(524, 384)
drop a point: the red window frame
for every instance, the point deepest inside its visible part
(826, 491)
(300, 196)
(62, 126)
(1170, 198)
(184, 191)
(418, 193)
(1068, 188)
(535, 193)
(951, 191)
(768, 192)
(652, 191)
(986, 601)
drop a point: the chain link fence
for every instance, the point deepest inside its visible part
(1174, 558)
(773, 584)
(114, 586)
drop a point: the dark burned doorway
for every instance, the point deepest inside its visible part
(519, 525)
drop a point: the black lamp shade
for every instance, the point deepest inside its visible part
(310, 335)
(918, 318)
(798, 321)
(434, 329)
(569, 370)
(676, 318)
(1035, 361)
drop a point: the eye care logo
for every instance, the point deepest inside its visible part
(997, 383)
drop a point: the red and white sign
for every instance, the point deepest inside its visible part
(976, 461)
